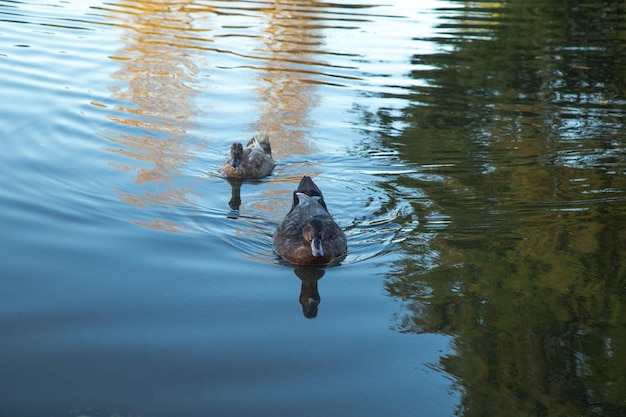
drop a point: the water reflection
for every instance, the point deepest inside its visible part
(158, 79)
(526, 132)
(156, 82)
(235, 197)
(309, 296)
(291, 46)
(286, 91)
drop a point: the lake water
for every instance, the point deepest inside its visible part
(474, 153)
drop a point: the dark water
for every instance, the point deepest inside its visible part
(474, 152)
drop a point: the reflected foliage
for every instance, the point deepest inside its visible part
(156, 86)
(285, 90)
(517, 122)
(166, 51)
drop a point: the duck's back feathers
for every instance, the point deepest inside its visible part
(309, 206)
(308, 235)
(308, 187)
(262, 140)
(253, 161)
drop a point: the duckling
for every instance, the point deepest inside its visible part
(253, 161)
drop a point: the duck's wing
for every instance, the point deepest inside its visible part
(262, 140)
(257, 163)
(309, 206)
(335, 241)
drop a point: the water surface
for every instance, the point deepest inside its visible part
(473, 152)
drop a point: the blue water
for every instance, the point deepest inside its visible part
(473, 152)
(129, 285)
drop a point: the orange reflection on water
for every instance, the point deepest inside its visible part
(286, 84)
(165, 45)
(156, 79)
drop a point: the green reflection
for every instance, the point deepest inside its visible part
(518, 132)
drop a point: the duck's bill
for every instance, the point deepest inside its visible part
(316, 248)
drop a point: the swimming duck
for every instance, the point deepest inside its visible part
(308, 235)
(253, 161)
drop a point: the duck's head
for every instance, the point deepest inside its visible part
(236, 153)
(313, 232)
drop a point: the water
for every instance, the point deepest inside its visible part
(473, 152)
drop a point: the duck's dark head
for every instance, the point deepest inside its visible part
(236, 153)
(313, 232)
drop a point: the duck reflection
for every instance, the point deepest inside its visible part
(235, 195)
(309, 296)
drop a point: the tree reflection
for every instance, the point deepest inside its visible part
(523, 121)
(157, 76)
(290, 48)
(292, 44)
(163, 49)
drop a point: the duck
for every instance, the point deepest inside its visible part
(308, 235)
(253, 161)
